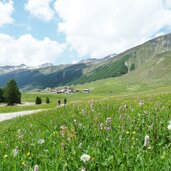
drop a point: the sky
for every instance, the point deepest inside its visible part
(34, 32)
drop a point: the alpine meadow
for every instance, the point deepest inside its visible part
(64, 107)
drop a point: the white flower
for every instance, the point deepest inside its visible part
(141, 102)
(146, 141)
(169, 126)
(41, 141)
(15, 152)
(108, 128)
(85, 157)
(83, 169)
(109, 120)
(36, 168)
(101, 126)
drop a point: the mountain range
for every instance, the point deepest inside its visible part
(148, 62)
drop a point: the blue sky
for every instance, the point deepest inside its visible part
(66, 31)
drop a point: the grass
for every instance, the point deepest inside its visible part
(111, 129)
(111, 132)
(101, 89)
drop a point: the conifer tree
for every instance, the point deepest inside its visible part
(11, 93)
(2, 98)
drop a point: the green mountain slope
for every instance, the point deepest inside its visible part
(152, 59)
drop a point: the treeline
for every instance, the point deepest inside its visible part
(10, 94)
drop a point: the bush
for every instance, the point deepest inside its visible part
(38, 100)
(47, 100)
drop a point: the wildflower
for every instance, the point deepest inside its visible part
(125, 106)
(146, 112)
(15, 152)
(5, 156)
(122, 116)
(101, 126)
(107, 128)
(20, 134)
(41, 141)
(85, 157)
(83, 169)
(169, 126)
(63, 130)
(83, 111)
(151, 126)
(36, 168)
(62, 145)
(109, 120)
(28, 154)
(134, 132)
(141, 102)
(146, 141)
(127, 132)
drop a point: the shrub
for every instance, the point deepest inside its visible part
(47, 100)
(38, 100)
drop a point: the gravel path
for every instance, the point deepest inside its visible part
(12, 115)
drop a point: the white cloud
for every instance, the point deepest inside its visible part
(28, 50)
(167, 3)
(75, 61)
(6, 10)
(101, 27)
(40, 9)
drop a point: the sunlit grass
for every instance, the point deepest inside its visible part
(110, 131)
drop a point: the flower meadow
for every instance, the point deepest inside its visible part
(112, 134)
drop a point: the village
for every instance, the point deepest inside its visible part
(64, 90)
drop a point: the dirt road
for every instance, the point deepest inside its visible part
(12, 115)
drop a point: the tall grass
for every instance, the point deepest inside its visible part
(110, 132)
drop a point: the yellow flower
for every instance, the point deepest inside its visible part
(5, 156)
(132, 138)
(127, 132)
(28, 154)
(23, 163)
(134, 132)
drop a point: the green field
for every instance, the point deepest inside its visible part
(110, 128)
(111, 132)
